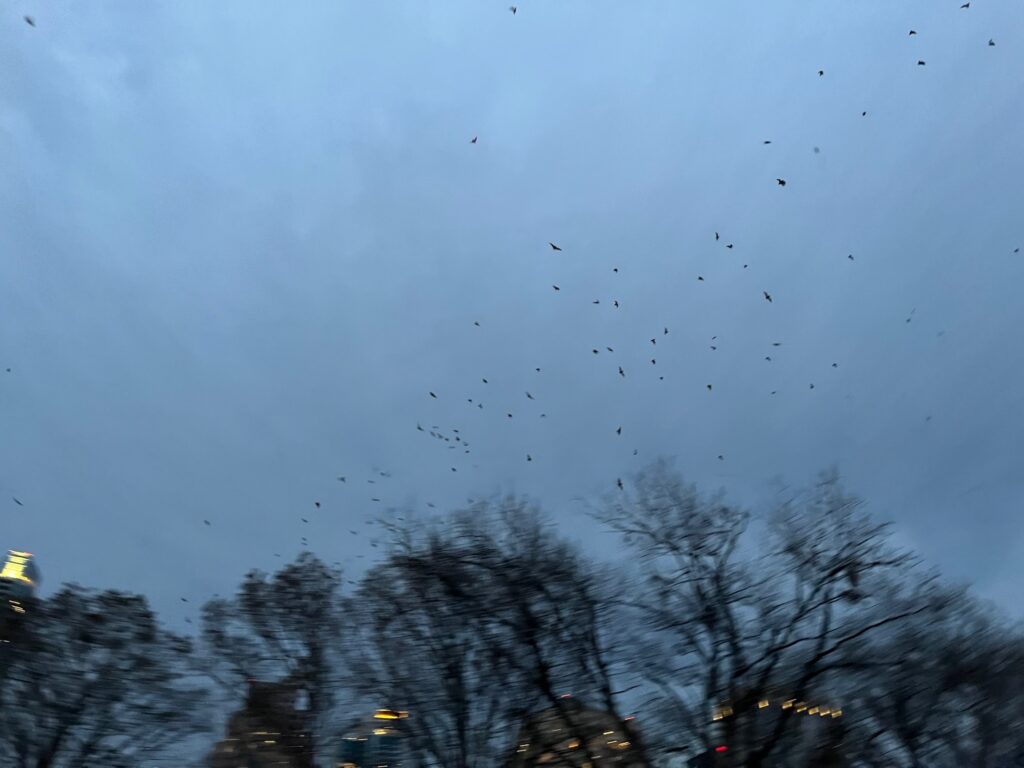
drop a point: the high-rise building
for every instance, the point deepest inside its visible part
(376, 742)
(19, 579)
(574, 736)
(268, 732)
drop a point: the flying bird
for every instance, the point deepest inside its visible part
(206, 522)
(767, 141)
(920, 63)
(812, 385)
(595, 351)
(554, 247)
(341, 479)
(618, 431)
(991, 42)
(781, 182)
(433, 395)
(609, 349)
(912, 32)
(709, 387)
(316, 504)
(529, 396)
(529, 457)
(618, 482)
(666, 332)
(700, 278)
(716, 237)
(616, 303)
(767, 296)
(821, 73)
(966, 5)
(17, 501)
(850, 257)
(729, 246)
(30, 21)
(654, 341)
(473, 140)
(622, 373)
(513, 9)
(556, 287)
(303, 519)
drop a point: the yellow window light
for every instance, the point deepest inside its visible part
(788, 704)
(763, 703)
(837, 713)
(812, 711)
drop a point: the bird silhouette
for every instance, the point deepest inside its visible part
(912, 32)
(729, 246)
(850, 257)
(991, 42)
(473, 140)
(556, 287)
(30, 21)
(433, 395)
(476, 323)
(616, 303)
(767, 296)
(554, 247)
(529, 457)
(303, 519)
(17, 501)
(618, 431)
(920, 63)
(666, 332)
(528, 395)
(341, 479)
(716, 236)
(821, 73)
(700, 278)
(781, 182)
(206, 522)
(618, 482)
(513, 9)
(709, 387)
(966, 5)
(316, 504)
(622, 373)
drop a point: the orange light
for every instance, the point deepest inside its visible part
(721, 748)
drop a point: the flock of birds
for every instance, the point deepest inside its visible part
(455, 438)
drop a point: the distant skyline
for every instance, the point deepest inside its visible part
(241, 244)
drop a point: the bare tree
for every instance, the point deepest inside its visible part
(751, 634)
(96, 682)
(946, 693)
(476, 622)
(287, 626)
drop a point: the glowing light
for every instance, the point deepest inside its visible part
(812, 711)
(380, 731)
(15, 567)
(837, 713)
(825, 712)
(721, 748)
(789, 704)
(762, 703)
(389, 714)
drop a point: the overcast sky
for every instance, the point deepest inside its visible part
(241, 242)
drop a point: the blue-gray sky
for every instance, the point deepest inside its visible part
(240, 243)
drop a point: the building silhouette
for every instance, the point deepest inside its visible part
(269, 731)
(374, 742)
(573, 735)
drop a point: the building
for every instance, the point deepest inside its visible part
(270, 731)
(573, 735)
(19, 580)
(376, 742)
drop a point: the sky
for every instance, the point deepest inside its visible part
(241, 243)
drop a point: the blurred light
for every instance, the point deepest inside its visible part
(837, 713)
(788, 704)
(762, 703)
(812, 711)
(721, 748)
(825, 712)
